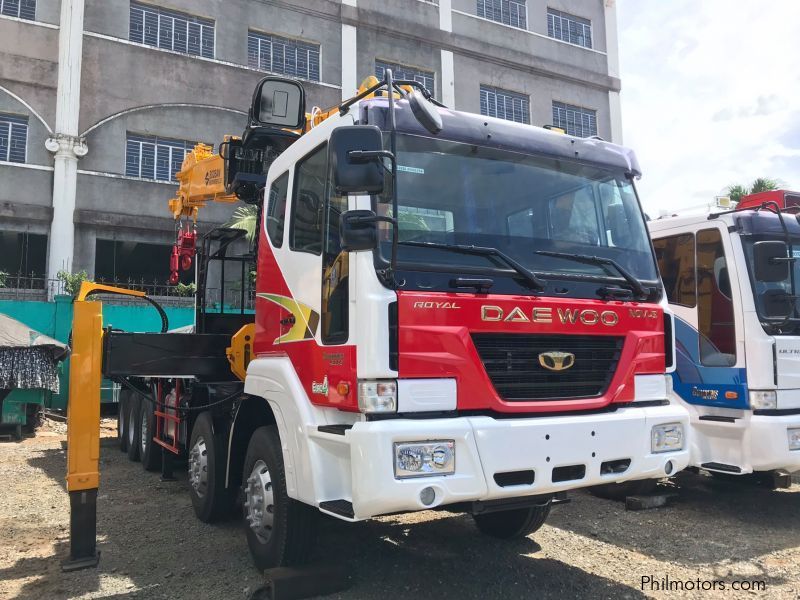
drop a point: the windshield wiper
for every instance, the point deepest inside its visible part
(600, 260)
(536, 283)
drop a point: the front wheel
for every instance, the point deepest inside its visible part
(620, 491)
(515, 523)
(280, 530)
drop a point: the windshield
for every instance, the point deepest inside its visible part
(452, 193)
(773, 299)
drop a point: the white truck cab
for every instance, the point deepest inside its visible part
(731, 281)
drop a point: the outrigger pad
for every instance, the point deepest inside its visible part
(295, 583)
(83, 552)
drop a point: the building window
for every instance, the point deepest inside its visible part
(170, 30)
(569, 28)
(505, 105)
(23, 9)
(577, 121)
(134, 262)
(155, 158)
(22, 255)
(508, 12)
(283, 55)
(401, 72)
(13, 138)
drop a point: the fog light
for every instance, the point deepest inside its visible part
(794, 439)
(377, 396)
(666, 438)
(427, 496)
(763, 399)
(419, 459)
(668, 467)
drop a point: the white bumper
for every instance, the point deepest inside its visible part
(751, 442)
(486, 446)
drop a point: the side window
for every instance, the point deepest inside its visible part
(715, 320)
(676, 262)
(335, 271)
(305, 233)
(276, 209)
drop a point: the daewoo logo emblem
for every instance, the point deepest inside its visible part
(556, 361)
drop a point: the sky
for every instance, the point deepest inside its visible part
(710, 96)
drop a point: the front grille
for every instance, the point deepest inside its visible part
(512, 363)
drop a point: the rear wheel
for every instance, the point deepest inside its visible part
(515, 523)
(280, 531)
(134, 427)
(149, 451)
(122, 419)
(210, 499)
(620, 491)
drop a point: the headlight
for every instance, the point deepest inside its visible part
(794, 439)
(666, 438)
(417, 459)
(763, 400)
(377, 396)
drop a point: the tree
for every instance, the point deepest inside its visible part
(245, 218)
(762, 184)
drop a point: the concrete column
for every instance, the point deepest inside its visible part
(612, 54)
(65, 143)
(448, 69)
(349, 57)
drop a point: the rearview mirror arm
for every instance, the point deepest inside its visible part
(362, 156)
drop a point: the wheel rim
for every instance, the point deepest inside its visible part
(144, 429)
(121, 428)
(260, 501)
(131, 433)
(198, 467)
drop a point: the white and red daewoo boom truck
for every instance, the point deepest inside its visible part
(451, 311)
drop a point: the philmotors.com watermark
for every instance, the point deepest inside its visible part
(651, 583)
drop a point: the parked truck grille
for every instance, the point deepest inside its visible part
(512, 363)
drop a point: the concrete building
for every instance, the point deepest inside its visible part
(99, 99)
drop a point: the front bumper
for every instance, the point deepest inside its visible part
(486, 446)
(750, 443)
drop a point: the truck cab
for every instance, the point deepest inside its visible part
(730, 281)
(465, 316)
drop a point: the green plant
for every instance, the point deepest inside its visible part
(185, 289)
(3, 279)
(72, 281)
(761, 184)
(245, 218)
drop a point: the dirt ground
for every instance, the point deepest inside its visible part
(716, 533)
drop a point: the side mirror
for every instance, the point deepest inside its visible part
(424, 112)
(358, 230)
(278, 102)
(770, 261)
(355, 156)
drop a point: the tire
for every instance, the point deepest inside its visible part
(149, 451)
(513, 524)
(134, 427)
(620, 491)
(122, 419)
(210, 499)
(285, 533)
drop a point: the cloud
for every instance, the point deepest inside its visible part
(710, 93)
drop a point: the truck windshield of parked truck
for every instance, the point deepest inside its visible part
(453, 194)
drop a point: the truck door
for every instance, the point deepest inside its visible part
(700, 289)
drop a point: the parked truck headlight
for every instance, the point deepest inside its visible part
(794, 439)
(666, 438)
(763, 399)
(377, 396)
(418, 459)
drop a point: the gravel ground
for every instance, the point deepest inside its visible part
(153, 547)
